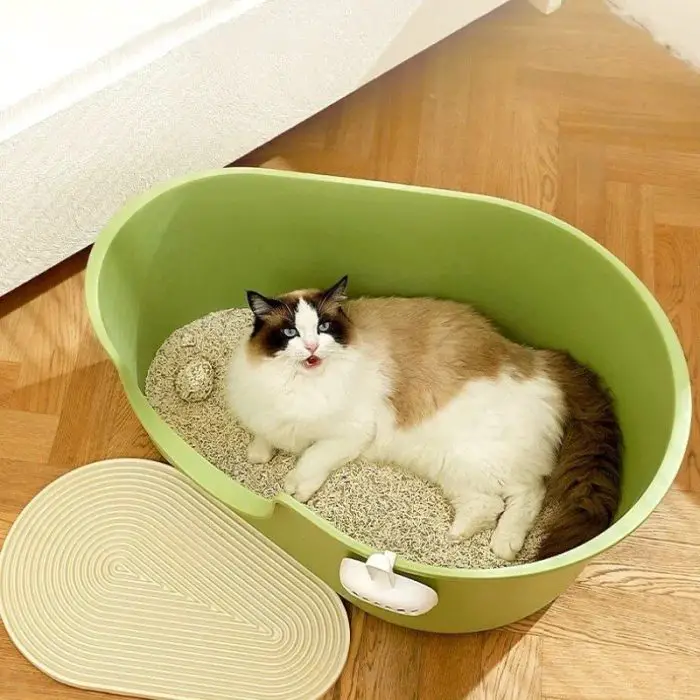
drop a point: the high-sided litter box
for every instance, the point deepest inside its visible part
(193, 246)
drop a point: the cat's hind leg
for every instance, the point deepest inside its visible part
(523, 505)
(474, 512)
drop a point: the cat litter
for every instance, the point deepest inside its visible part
(379, 505)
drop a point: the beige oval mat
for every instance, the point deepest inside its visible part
(122, 577)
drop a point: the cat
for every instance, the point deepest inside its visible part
(432, 386)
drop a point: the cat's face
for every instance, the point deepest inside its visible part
(304, 328)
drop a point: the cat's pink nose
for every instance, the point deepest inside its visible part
(311, 346)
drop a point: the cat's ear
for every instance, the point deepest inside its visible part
(336, 294)
(261, 306)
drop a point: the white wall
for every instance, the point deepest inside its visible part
(220, 94)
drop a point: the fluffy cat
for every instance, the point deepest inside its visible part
(432, 386)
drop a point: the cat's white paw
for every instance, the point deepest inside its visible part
(260, 451)
(480, 513)
(464, 531)
(302, 486)
(457, 532)
(506, 545)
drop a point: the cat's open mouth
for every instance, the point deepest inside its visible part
(312, 361)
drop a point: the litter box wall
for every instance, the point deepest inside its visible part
(194, 246)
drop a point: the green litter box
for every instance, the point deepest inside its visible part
(193, 246)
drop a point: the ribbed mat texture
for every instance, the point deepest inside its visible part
(123, 577)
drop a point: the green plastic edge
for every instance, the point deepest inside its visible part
(228, 491)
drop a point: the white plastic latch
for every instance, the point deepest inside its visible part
(376, 582)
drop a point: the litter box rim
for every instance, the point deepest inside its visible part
(227, 490)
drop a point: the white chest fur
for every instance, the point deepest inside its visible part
(293, 407)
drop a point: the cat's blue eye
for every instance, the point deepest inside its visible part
(289, 332)
(324, 326)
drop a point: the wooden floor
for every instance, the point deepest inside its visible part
(578, 114)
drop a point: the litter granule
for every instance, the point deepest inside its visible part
(382, 506)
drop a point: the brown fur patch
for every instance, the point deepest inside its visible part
(261, 343)
(292, 298)
(434, 347)
(324, 305)
(585, 484)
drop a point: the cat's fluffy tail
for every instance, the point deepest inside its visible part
(585, 484)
